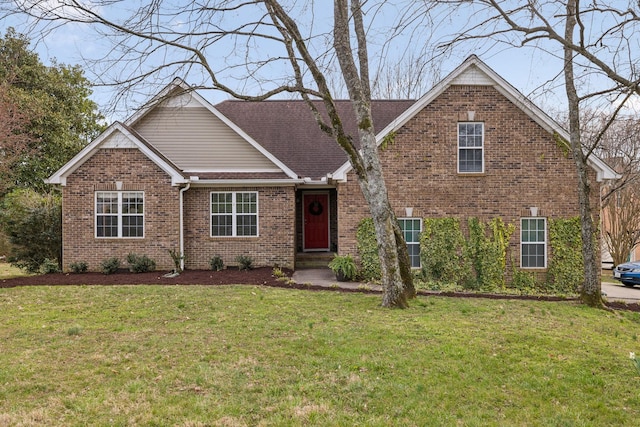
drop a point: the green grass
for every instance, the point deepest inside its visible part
(7, 271)
(247, 356)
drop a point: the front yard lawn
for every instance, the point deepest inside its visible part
(250, 355)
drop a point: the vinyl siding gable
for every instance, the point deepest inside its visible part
(196, 140)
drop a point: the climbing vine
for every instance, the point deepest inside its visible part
(441, 251)
(566, 266)
(367, 247)
(478, 261)
(487, 253)
(387, 140)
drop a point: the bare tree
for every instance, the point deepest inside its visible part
(621, 198)
(621, 223)
(232, 45)
(408, 78)
(596, 46)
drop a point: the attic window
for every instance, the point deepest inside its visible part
(470, 147)
(119, 214)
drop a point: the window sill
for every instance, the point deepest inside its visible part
(118, 239)
(235, 238)
(472, 174)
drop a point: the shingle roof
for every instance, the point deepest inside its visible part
(288, 130)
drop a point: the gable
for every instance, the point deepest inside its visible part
(473, 72)
(117, 136)
(198, 141)
(186, 128)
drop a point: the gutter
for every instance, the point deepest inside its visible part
(245, 182)
(181, 232)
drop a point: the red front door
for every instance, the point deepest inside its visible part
(316, 221)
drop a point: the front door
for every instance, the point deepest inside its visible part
(316, 221)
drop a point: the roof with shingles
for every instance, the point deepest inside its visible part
(288, 130)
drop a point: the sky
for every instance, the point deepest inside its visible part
(527, 69)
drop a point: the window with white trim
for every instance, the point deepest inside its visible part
(533, 242)
(411, 229)
(120, 214)
(471, 147)
(234, 214)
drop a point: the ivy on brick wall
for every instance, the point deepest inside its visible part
(367, 247)
(442, 251)
(487, 253)
(479, 261)
(566, 266)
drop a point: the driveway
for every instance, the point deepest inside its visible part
(618, 292)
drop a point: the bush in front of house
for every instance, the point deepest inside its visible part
(140, 263)
(110, 265)
(245, 262)
(49, 266)
(216, 263)
(79, 267)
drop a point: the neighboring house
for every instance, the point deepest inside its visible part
(260, 178)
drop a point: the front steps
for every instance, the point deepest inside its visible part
(313, 259)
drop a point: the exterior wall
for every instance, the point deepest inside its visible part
(274, 245)
(100, 173)
(523, 167)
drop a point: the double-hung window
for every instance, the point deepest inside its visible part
(470, 147)
(119, 214)
(234, 214)
(411, 228)
(533, 242)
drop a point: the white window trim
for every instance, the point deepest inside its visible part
(458, 148)
(119, 214)
(414, 243)
(234, 214)
(546, 231)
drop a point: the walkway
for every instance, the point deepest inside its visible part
(326, 278)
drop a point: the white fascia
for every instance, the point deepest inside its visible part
(179, 83)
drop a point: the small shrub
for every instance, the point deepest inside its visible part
(344, 267)
(216, 263)
(245, 262)
(49, 266)
(110, 265)
(278, 273)
(79, 267)
(140, 264)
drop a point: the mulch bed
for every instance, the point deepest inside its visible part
(257, 276)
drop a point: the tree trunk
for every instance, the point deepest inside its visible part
(591, 290)
(397, 280)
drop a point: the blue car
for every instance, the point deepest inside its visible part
(628, 273)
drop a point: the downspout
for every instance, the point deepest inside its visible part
(182, 191)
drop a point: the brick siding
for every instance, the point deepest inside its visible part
(100, 173)
(523, 167)
(275, 244)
